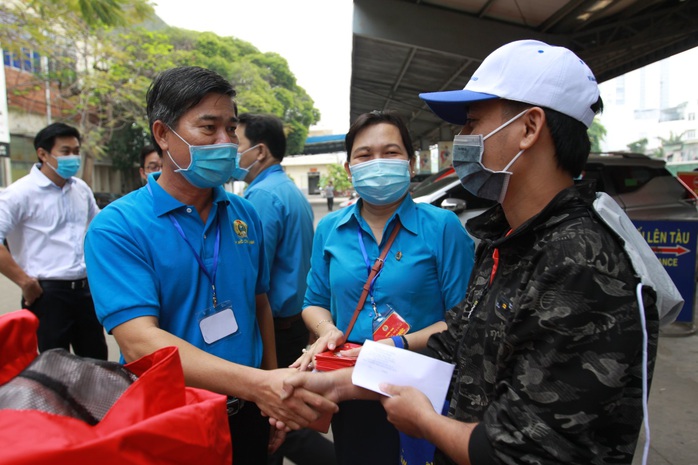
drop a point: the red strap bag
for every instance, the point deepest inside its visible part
(155, 420)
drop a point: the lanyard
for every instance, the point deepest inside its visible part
(216, 248)
(368, 268)
(212, 275)
(495, 261)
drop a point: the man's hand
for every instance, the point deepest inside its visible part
(302, 384)
(296, 411)
(31, 290)
(407, 408)
(322, 383)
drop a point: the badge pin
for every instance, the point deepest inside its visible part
(398, 256)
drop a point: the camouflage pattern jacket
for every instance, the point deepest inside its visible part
(549, 354)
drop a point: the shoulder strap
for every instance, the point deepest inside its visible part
(377, 265)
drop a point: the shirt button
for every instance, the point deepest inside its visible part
(188, 210)
(204, 236)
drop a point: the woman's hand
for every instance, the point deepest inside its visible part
(330, 340)
(355, 351)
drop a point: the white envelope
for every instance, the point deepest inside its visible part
(380, 363)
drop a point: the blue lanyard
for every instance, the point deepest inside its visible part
(212, 275)
(368, 267)
(216, 249)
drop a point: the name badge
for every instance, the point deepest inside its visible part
(219, 325)
(389, 325)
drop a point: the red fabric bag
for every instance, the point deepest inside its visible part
(157, 420)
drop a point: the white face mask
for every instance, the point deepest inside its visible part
(477, 178)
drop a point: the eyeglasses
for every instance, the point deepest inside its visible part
(152, 167)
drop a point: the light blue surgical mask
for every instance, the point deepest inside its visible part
(68, 165)
(381, 181)
(210, 165)
(240, 173)
(474, 176)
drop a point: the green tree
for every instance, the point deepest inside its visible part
(263, 81)
(97, 13)
(338, 175)
(597, 133)
(83, 49)
(639, 146)
(671, 146)
(103, 63)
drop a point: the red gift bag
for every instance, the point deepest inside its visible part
(157, 419)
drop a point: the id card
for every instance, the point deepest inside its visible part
(392, 325)
(218, 323)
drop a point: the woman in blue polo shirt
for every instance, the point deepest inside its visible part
(425, 272)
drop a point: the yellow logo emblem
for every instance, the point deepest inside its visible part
(240, 228)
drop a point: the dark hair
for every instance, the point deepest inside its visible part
(266, 129)
(145, 151)
(46, 138)
(175, 91)
(376, 117)
(570, 136)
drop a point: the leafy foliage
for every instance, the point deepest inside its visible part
(102, 58)
(597, 133)
(639, 146)
(338, 175)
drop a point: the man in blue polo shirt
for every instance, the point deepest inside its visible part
(288, 241)
(181, 262)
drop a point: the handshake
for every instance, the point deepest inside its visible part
(305, 397)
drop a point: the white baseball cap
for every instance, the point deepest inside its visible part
(527, 71)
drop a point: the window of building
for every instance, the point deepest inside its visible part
(27, 60)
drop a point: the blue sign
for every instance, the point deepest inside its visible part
(674, 243)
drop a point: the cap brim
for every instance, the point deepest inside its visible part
(452, 105)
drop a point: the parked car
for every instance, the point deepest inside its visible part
(444, 190)
(351, 200)
(105, 198)
(641, 185)
(417, 179)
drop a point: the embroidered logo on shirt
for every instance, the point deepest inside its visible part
(240, 228)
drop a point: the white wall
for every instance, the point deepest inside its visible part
(298, 166)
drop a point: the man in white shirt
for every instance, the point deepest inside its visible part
(43, 219)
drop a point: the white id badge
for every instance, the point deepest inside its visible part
(218, 325)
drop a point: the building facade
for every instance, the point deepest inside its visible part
(657, 103)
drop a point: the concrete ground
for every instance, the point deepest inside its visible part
(673, 403)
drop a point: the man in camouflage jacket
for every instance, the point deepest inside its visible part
(548, 343)
(549, 353)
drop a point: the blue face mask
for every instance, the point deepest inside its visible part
(240, 173)
(210, 166)
(474, 176)
(381, 181)
(68, 165)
